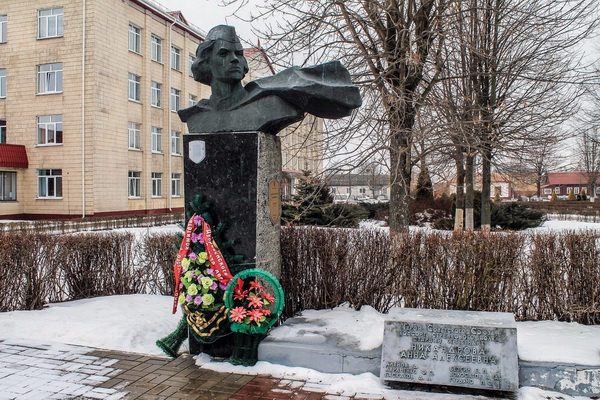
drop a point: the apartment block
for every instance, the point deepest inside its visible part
(89, 91)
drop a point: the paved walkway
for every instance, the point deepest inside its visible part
(58, 371)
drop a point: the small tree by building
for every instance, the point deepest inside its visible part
(554, 197)
(571, 196)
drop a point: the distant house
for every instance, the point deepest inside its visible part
(358, 186)
(502, 184)
(563, 183)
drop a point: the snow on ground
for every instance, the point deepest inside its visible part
(134, 322)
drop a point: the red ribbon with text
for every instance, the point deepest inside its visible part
(183, 250)
(215, 258)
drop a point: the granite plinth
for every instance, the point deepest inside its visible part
(235, 172)
(455, 348)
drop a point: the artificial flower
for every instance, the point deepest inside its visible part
(192, 289)
(208, 299)
(198, 300)
(181, 298)
(188, 298)
(198, 220)
(256, 285)
(202, 257)
(255, 301)
(185, 263)
(268, 298)
(206, 282)
(192, 256)
(238, 314)
(256, 315)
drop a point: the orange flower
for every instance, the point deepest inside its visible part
(238, 314)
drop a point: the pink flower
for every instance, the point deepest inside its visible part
(268, 297)
(198, 220)
(255, 284)
(192, 256)
(198, 300)
(255, 301)
(214, 286)
(189, 298)
(237, 314)
(256, 315)
(210, 271)
(222, 286)
(196, 238)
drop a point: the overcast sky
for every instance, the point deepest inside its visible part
(207, 13)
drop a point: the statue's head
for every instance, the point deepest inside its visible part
(220, 57)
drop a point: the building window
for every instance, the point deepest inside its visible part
(49, 183)
(598, 190)
(135, 39)
(557, 190)
(156, 184)
(50, 78)
(135, 184)
(3, 28)
(50, 23)
(191, 59)
(547, 191)
(8, 186)
(175, 95)
(576, 190)
(156, 89)
(175, 58)
(176, 143)
(156, 139)
(2, 83)
(192, 99)
(134, 136)
(2, 131)
(176, 185)
(50, 129)
(156, 45)
(135, 92)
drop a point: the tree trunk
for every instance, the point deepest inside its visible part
(460, 191)
(400, 172)
(469, 195)
(486, 183)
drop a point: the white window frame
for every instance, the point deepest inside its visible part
(192, 99)
(53, 20)
(175, 143)
(50, 184)
(3, 28)
(191, 59)
(557, 189)
(176, 185)
(156, 178)
(156, 133)
(3, 131)
(135, 38)
(175, 99)
(156, 48)
(548, 191)
(576, 190)
(135, 87)
(176, 58)
(134, 180)
(8, 181)
(133, 133)
(2, 83)
(48, 128)
(50, 78)
(155, 94)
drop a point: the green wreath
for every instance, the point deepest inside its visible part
(252, 307)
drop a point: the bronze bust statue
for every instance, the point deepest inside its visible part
(267, 104)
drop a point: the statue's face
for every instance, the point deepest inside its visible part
(227, 62)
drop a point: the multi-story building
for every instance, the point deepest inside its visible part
(89, 91)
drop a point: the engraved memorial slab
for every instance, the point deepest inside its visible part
(456, 348)
(274, 202)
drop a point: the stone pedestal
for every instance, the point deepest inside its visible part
(239, 174)
(457, 348)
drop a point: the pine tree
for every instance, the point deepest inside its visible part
(311, 199)
(424, 186)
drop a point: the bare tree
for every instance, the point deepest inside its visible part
(589, 157)
(390, 47)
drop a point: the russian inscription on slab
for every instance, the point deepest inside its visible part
(456, 348)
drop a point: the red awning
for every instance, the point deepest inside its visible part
(13, 156)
